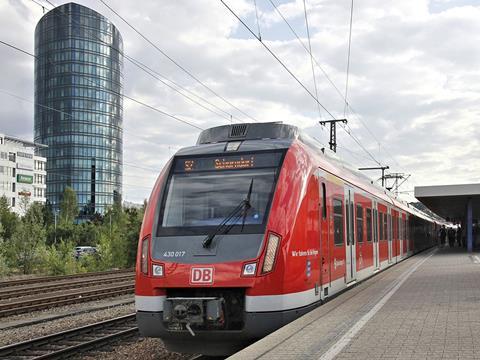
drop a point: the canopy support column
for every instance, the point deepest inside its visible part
(469, 226)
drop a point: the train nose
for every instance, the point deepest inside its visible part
(180, 311)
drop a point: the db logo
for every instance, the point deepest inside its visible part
(202, 275)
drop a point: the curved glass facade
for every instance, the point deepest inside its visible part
(79, 109)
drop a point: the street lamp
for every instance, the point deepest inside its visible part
(55, 213)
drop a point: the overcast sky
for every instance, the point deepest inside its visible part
(414, 78)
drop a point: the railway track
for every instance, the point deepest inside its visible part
(61, 277)
(23, 306)
(46, 288)
(71, 342)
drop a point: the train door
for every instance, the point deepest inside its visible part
(389, 235)
(350, 236)
(324, 234)
(376, 250)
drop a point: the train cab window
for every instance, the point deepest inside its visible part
(203, 192)
(359, 223)
(368, 215)
(324, 201)
(337, 222)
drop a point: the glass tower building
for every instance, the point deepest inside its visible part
(78, 105)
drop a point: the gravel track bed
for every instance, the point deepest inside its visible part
(10, 336)
(140, 348)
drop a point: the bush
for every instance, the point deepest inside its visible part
(4, 269)
(60, 260)
(106, 258)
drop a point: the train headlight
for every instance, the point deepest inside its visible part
(157, 270)
(271, 253)
(249, 269)
(144, 256)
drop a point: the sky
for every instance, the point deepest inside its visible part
(414, 80)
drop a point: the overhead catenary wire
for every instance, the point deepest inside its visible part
(348, 59)
(275, 57)
(348, 131)
(258, 22)
(327, 77)
(157, 76)
(175, 62)
(120, 94)
(143, 138)
(311, 58)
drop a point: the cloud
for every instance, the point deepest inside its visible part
(414, 78)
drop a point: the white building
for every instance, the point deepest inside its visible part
(22, 173)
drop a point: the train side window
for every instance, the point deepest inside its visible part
(369, 224)
(359, 223)
(337, 222)
(382, 237)
(324, 201)
(388, 233)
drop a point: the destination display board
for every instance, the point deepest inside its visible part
(229, 162)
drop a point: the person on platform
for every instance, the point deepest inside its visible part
(459, 236)
(451, 237)
(443, 235)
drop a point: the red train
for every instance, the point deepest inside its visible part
(252, 228)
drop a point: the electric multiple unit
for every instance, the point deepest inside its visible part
(252, 228)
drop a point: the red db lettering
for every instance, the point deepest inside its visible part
(202, 275)
(207, 275)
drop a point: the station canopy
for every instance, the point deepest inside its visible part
(450, 201)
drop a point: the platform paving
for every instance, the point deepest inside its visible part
(426, 307)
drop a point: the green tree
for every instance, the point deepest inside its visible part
(24, 204)
(68, 206)
(59, 259)
(48, 214)
(28, 239)
(134, 218)
(8, 219)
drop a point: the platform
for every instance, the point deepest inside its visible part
(426, 307)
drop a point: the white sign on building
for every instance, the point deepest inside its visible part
(22, 173)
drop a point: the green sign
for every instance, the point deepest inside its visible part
(25, 179)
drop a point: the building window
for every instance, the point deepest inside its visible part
(359, 223)
(13, 202)
(337, 222)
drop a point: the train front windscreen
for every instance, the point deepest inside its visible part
(204, 192)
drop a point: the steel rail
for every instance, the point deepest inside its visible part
(70, 342)
(60, 277)
(19, 307)
(33, 290)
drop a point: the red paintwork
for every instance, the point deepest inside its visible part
(295, 215)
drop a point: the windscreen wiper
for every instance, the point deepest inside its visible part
(234, 214)
(247, 204)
